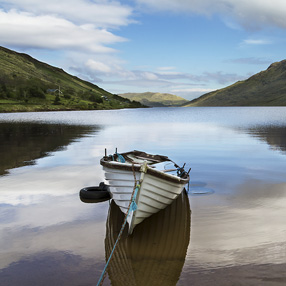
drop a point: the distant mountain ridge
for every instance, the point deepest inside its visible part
(156, 99)
(266, 88)
(27, 84)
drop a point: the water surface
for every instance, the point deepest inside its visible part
(233, 230)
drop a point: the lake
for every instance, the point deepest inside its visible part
(228, 228)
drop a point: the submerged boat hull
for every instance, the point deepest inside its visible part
(155, 191)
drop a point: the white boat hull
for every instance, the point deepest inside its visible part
(153, 195)
(121, 184)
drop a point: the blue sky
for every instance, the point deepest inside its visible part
(184, 47)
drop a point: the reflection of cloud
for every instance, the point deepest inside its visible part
(75, 236)
(241, 228)
(51, 268)
(25, 187)
(242, 222)
(41, 211)
(249, 274)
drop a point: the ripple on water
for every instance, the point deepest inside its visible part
(200, 191)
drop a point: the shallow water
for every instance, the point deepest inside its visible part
(229, 230)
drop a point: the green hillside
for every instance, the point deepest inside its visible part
(27, 84)
(153, 99)
(267, 88)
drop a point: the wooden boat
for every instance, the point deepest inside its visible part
(142, 184)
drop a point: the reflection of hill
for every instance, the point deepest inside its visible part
(155, 253)
(275, 136)
(21, 143)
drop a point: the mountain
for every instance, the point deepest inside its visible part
(267, 88)
(157, 99)
(27, 84)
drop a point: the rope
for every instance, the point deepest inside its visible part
(120, 158)
(131, 206)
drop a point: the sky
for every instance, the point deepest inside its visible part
(183, 47)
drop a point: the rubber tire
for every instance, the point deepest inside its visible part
(95, 193)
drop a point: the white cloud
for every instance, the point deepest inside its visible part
(106, 13)
(80, 25)
(249, 13)
(149, 76)
(187, 85)
(84, 32)
(51, 32)
(104, 66)
(170, 73)
(192, 90)
(190, 93)
(166, 68)
(250, 61)
(113, 74)
(98, 66)
(256, 42)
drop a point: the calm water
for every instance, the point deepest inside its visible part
(230, 229)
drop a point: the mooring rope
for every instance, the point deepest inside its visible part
(131, 206)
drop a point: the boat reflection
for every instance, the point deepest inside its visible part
(155, 253)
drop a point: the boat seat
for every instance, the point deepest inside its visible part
(169, 170)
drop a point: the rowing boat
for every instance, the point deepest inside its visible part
(142, 184)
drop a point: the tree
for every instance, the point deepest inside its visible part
(57, 100)
(35, 91)
(96, 98)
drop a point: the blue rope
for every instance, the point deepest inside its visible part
(106, 265)
(181, 172)
(133, 204)
(120, 158)
(131, 207)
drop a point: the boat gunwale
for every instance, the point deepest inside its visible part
(105, 162)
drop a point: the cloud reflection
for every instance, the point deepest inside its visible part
(245, 227)
(42, 219)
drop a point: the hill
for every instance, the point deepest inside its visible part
(153, 99)
(267, 88)
(27, 84)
